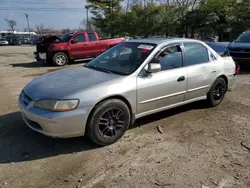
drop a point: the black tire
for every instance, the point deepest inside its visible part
(49, 60)
(60, 59)
(101, 127)
(217, 92)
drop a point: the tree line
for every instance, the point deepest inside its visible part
(170, 17)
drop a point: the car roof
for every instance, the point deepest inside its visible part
(162, 40)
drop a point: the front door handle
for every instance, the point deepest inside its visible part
(214, 71)
(180, 79)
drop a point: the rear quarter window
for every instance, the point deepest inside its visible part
(92, 37)
(195, 53)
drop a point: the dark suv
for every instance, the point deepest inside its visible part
(239, 49)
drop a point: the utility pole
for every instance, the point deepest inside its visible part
(111, 17)
(87, 17)
(27, 16)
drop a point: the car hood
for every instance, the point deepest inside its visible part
(50, 39)
(239, 46)
(64, 83)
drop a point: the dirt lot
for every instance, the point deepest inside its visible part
(199, 146)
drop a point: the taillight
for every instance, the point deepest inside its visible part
(237, 68)
(226, 54)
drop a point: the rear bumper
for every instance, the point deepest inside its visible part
(231, 82)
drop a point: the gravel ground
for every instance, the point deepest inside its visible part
(199, 147)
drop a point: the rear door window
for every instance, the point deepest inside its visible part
(92, 37)
(80, 38)
(195, 53)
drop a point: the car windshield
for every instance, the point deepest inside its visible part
(123, 58)
(66, 37)
(244, 37)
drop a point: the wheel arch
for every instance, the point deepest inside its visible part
(219, 76)
(224, 77)
(63, 51)
(119, 97)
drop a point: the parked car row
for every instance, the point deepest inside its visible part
(16, 40)
(3, 42)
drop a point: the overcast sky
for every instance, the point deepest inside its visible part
(52, 13)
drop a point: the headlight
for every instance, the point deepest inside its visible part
(57, 105)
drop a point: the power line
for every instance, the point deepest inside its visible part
(58, 2)
(40, 9)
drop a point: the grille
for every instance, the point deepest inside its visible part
(240, 55)
(239, 50)
(42, 47)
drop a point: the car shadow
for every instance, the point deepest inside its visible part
(244, 69)
(33, 64)
(168, 113)
(19, 143)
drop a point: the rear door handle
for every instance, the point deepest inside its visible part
(180, 79)
(214, 71)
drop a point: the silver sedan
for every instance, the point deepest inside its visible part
(131, 80)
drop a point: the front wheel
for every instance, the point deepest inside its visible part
(60, 59)
(217, 92)
(108, 122)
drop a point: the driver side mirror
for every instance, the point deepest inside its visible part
(73, 41)
(154, 67)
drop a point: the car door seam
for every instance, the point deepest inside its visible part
(162, 97)
(198, 88)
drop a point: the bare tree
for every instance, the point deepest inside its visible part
(11, 23)
(39, 28)
(66, 30)
(27, 29)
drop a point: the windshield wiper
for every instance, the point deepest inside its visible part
(99, 69)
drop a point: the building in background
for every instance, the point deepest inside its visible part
(4, 34)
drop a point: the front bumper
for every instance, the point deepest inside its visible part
(40, 57)
(240, 58)
(55, 124)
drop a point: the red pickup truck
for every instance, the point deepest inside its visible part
(72, 46)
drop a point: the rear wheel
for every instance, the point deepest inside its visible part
(60, 59)
(108, 122)
(217, 92)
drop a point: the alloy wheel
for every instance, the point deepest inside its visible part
(60, 59)
(111, 122)
(219, 91)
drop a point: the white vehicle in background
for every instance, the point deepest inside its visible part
(3, 42)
